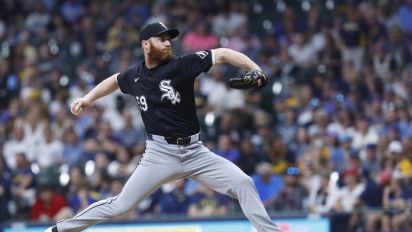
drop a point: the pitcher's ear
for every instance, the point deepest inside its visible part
(145, 44)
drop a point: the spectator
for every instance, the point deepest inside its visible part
(293, 195)
(100, 163)
(9, 82)
(404, 14)
(401, 160)
(17, 144)
(83, 197)
(158, 13)
(116, 186)
(228, 125)
(113, 113)
(200, 39)
(301, 142)
(206, 202)
(248, 157)
(301, 51)
(371, 197)
(280, 155)
(122, 166)
(76, 176)
(106, 139)
(228, 21)
(382, 61)
(5, 184)
(288, 129)
(351, 33)
(175, 201)
(60, 123)
(49, 205)
(50, 152)
(150, 206)
(120, 34)
(375, 29)
(339, 156)
(34, 131)
(267, 184)
(311, 177)
(347, 196)
(393, 217)
(321, 201)
(129, 135)
(200, 99)
(219, 97)
(23, 184)
(284, 28)
(364, 134)
(73, 148)
(226, 149)
(371, 161)
(72, 10)
(244, 42)
(37, 21)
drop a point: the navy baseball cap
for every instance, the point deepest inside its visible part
(155, 29)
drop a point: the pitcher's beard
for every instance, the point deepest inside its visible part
(160, 55)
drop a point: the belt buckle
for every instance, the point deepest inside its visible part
(183, 141)
(179, 141)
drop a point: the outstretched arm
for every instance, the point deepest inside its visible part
(226, 55)
(252, 79)
(106, 87)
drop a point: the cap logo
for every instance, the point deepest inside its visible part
(162, 25)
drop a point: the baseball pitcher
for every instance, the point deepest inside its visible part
(163, 88)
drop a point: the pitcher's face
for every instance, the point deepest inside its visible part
(160, 48)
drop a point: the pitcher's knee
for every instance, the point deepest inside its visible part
(244, 181)
(118, 208)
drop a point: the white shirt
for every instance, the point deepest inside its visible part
(49, 154)
(226, 26)
(219, 96)
(349, 197)
(11, 149)
(32, 139)
(361, 140)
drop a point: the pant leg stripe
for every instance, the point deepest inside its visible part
(87, 210)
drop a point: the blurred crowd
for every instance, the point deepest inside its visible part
(331, 133)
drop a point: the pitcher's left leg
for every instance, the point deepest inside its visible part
(225, 177)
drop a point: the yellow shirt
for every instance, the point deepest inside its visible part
(406, 167)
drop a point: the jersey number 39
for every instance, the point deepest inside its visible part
(141, 101)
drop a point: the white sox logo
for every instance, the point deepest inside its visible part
(163, 25)
(202, 54)
(169, 92)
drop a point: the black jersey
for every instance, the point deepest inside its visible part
(165, 94)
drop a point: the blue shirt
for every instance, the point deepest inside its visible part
(268, 190)
(203, 201)
(72, 153)
(75, 202)
(232, 154)
(175, 202)
(405, 14)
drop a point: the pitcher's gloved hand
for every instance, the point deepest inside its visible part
(253, 79)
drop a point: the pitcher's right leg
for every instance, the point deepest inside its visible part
(153, 171)
(225, 177)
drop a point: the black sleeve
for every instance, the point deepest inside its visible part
(192, 64)
(124, 79)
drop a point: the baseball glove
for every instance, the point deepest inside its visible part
(249, 80)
